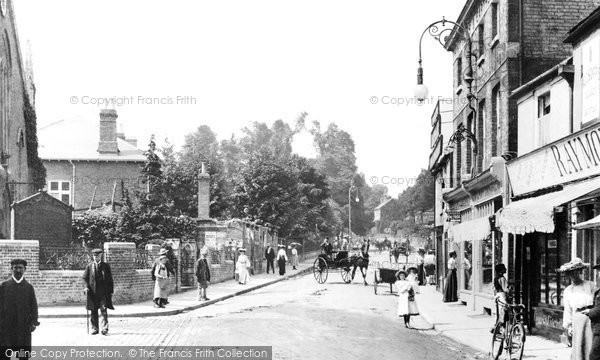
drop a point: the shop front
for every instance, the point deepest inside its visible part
(550, 221)
(473, 236)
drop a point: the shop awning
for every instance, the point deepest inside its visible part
(477, 229)
(590, 224)
(537, 214)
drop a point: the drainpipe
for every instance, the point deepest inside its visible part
(73, 185)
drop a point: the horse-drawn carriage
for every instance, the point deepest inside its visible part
(338, 260)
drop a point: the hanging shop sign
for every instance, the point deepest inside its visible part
(453, 216)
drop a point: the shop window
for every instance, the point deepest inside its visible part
(554, 250)
(467, 266)
(487, 262)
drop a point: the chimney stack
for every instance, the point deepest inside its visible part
(203, 194)
(108, 132)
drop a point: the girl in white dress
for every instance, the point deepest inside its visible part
(407, 305)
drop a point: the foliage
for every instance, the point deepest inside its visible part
(94, 229)
(36, 167)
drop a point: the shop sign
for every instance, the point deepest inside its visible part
(590, 80)
(453, 216)
(572, 158)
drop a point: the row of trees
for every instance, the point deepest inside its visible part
(256, 177)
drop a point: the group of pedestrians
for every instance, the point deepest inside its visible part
(282, 258)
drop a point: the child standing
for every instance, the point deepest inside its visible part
(407, 305)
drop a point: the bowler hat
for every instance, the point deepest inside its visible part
(97, 251)
(14, 262)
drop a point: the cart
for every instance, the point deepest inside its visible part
(387, 274)
(337, 261)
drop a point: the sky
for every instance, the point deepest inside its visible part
(169, 67)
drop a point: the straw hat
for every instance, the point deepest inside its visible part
(400, 272)
(573, 265)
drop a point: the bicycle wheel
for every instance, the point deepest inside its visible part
(516, 341)
(497, 341)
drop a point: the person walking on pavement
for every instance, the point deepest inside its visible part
(18, 309)
(407, 306)
(429, 261)
(451, 286)
(594, 315)
(420, 266)
(241, 267)
(202, 274)
(294, 257)
(577, 298)
(270, 256)
(99, 288)
(162, 283)
(282, 259)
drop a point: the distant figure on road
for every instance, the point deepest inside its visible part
(294, 257)
(270, 256)
(345, 244)
(241, 267)
(451, 287)
(99, 287)
(18, 310)
(162, 283)
(202, 274)
(282, 259)
(407, 305)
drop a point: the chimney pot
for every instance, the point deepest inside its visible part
(108, 132)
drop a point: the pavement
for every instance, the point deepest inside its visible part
(471, 328)
(183, 301)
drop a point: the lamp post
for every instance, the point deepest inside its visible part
(350, 190)
(440, 32)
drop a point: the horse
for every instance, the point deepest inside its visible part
(358, 261)
(361, 261)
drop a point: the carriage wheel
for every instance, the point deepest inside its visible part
(320, 270)
(375, 282)
(346, 275)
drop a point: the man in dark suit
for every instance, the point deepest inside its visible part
(594, 315)
(99, 287)
(327, 248)
(18, 310)
(202, 274)
(270, 256)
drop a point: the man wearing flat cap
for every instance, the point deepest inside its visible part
(99, 287)
(18, 309)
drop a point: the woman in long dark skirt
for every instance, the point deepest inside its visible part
(451, 287)
(281, 259)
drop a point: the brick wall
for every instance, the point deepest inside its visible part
(65, 286)
(95, 175)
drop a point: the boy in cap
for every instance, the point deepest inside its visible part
(202, 274)
(99, 287)
(18, 309)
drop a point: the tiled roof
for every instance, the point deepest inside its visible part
(77, 139)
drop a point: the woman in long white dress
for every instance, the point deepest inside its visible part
(241, 267)
(577, 298)
(407, 306)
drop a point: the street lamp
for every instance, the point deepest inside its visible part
(350, 190)
(421, 91)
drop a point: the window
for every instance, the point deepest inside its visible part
(544, 105)
(495, 119)
(61, 190)
(494, 20)
(459, 70)
(480, 40)
(480, 135)
(469, 152)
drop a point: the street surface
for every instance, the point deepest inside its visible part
(300, 318)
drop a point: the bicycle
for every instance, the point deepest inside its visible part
(512, 326)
